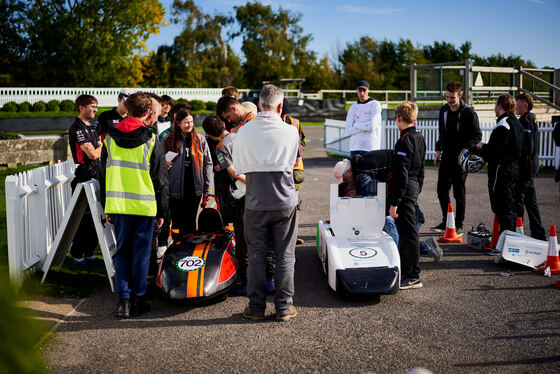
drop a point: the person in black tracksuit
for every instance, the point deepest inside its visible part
(526, 195)
(502, 153)
(404, 187)
(86, 151)
(458, 129)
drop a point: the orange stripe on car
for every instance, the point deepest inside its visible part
(192, 280)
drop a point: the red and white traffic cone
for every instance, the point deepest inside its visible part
(552, 260)
(519, 225)
(450, 235)
(495, 235)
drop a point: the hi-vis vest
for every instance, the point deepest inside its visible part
(129, 187)
(295, 122)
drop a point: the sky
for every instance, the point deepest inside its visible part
(520, 27)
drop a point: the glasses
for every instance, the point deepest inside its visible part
(362, 89)
(93, 106)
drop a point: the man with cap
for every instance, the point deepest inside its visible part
(363, 122)
(110, 118)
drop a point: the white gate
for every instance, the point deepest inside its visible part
(36, 201)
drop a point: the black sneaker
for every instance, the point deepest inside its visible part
(407, 283)
(139, 307)
(123, 308)
(459, 230)
(439, 228)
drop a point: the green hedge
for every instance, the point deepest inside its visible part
(67, 106)
(197, 105)
(24, 107)
(211, 106)
(10, 106)
(53, 106)
(39, 106)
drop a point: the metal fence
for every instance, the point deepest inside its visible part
(108, 96)
(36, 202)
(336, 141)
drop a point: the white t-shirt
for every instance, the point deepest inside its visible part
(363, 124)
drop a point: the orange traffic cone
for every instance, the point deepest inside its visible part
(519, 225)
(495, 235)
(450, 235)
(552, 260)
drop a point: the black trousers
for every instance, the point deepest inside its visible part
(406, 222)
(526, 197)
(502, 182)
(452, 175)
(183, 213)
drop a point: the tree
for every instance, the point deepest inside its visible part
(199, 55)
(274, 45)
(12, 41)
(88, 42)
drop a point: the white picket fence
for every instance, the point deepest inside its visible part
(36, 201)
(108, 96)
(336, 141)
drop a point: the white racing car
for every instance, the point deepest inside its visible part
(358, 257)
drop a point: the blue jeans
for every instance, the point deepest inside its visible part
(132, 259)
(365, 185)
(391, 229)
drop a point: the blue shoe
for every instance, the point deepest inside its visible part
(240, 290)
(407, 283)
(270, 286)
(80, 263)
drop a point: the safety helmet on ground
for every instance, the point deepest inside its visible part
(471, 163)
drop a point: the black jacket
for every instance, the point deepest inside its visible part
(125, 138)
(408, 164)
(529, 161)
(503, 150)
(376, 164)
(468, 130)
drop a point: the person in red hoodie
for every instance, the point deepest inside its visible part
(134, 192)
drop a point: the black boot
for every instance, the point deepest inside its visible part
(123, 308)
(139, 306)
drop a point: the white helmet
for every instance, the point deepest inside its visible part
(471, 163)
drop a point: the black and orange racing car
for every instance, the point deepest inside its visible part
(203, 265)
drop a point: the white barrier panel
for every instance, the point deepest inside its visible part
(36, 202)
(336, 141)
(107, 96)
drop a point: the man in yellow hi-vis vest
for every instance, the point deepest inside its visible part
(134, 190)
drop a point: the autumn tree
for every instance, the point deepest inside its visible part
(199, 56)
(88, 42)
(273, 44)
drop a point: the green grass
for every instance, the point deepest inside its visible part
(69, 281)
(312, 123)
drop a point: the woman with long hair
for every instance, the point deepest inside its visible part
(189, 172)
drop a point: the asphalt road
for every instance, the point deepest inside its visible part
(466, 319)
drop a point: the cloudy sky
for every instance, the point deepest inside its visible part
(529, 28)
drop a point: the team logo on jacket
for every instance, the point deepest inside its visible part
(190, 263)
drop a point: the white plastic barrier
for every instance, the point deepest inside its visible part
(336, 141)
(36, 202)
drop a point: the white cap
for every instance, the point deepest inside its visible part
(125, 93)
(340, 168)
(250, 106)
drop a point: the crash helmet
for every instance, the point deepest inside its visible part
(471, 163)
